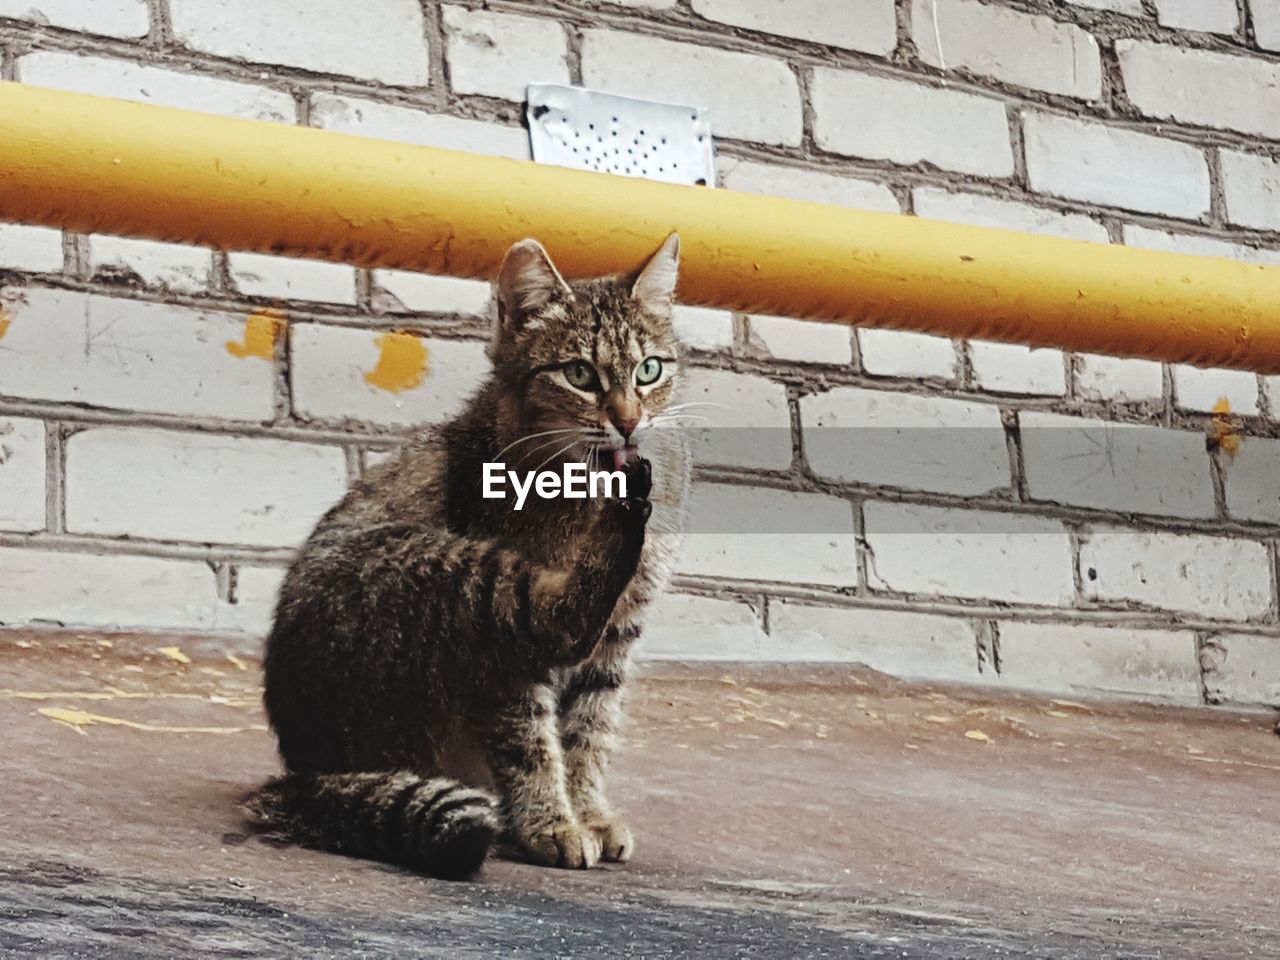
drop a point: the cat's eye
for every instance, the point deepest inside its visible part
(580, 374)
(649, 371)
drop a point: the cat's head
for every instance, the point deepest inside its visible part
(597, 360)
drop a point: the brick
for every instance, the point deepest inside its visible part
(780, 536)
(866, 25)
(1243, 668)
(334, 375)
(1210, 16)
(1202, 390)
(263, 275)
(126, 354)
(801, 183)
(405, 291)
(749, 97)
(1101, 377)
(498, 54)
(800, 340)
(123, 80)
(1251, 187)
(904, 353)
(914, 645)
(647, 4)
(1252, 484)
(683, 627)
(1195, 246)
(1027, 50)
(882, 438)
(255, 601)
(201, 488)
(172, 266)
(22, 467)
(79, 589)
(1081, 658)
(1266, 23)
(366, 118)
(1132, 8)
(1088, 161)
(1201, 87)
(884, 119)
(971, 554)
(37, 249)
(1203, 576)
(384, 42)
(108, 18)
(703, 328)
(982, 211)
(1116, 466)
(748, 426)
(1013, 368)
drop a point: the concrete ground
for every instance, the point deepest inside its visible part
(779, 813)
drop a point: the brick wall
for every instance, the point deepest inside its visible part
(172, 419)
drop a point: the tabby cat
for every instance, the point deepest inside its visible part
(444, 670)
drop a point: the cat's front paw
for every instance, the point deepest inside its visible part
(636, 503)
(568, 845)
(616, 841)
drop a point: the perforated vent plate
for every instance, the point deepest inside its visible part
(590, 130)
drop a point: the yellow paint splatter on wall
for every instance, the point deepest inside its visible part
(403, 362)
(5, 320)
(1225, 432)
(261, 333)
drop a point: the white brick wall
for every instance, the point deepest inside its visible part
(1012, 368)
(749, 97)
(902, 353)
(1253, 481)
(1116, 466)
(111, 18)
(335, 375)
(973, 554)
(1132, 8)
(38, 249)
(703, 328)
(130, 355)
(40, 586)
(368, 118)
(1266, 23)
(200, 488)
(261, 275)
(882, 438)
(1200, 87)
(800, 340)
(1212, 16)
(384, 42)
(1095, 163)
(108, 77)
(255, 600)
(1024, 49)
(981, 211)
(1114, 660)
(1244, 668)
(174, 266)
(1198, 389)
(1112, 378)
(22, 474)
(1251, 188)
(498, 54)
(883, 119)
(752, 533)
(801, 183)
(749, 424)
(867, 25)
(1200, 576)
(683, 627)
(422, 293)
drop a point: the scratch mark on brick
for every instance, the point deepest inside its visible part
(403, 363)
(261, 333)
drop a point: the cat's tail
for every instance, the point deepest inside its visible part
(432, 824)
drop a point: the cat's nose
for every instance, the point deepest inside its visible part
(626, 424)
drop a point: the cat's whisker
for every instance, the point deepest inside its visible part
(696, 403)
(530, 453)
(562, 450)
(532, 436)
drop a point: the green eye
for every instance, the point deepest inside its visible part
(580, 374)
(648, 371)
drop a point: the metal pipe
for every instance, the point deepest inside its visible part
(90, 164)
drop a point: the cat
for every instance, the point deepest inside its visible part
(443, 671)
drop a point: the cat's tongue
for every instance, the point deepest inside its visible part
(624, 455)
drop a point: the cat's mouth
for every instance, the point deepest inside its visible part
(617, 458)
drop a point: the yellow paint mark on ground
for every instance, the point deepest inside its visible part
(1225, 433)
(237, 662)
(173, 653)
(977, 735)
(402, 362)
(261, 333)
(77, 720)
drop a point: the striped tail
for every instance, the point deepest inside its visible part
(432, 824)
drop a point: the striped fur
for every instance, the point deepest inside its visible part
(420, 615)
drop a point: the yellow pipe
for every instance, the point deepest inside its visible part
(95, 165)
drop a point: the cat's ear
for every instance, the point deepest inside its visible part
(655, 287)
(527, 282)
